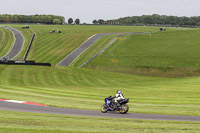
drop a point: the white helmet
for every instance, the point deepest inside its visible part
(119, 91)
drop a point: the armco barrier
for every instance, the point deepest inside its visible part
(29, 47)
(24, 63)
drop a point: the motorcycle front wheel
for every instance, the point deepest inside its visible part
(124, 109)
(104, 108)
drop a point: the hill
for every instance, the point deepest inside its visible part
(53, 47)
(173, 53)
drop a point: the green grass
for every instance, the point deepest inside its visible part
(53, 47)
(168, 50)
(97, 47)
(46, 123)
(6, 41)
(86, 89)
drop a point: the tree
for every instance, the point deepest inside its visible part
(95, 21)
(77, 21)
(46, 19)
(16, 20)
(70, 21)
(101, 21)
(62, 19)
(8, 18)
(57, 21)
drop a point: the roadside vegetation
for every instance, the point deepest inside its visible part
(6, 41)
(47, 123)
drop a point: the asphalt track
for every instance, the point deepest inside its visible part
(77, 52)
(18, 44)
(7, 106)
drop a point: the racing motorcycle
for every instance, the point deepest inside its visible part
(110, 105)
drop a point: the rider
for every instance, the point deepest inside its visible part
(119, 96)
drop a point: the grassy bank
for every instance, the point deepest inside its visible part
(6, 41)
(46, 123)
(165, 54)
(86, 89)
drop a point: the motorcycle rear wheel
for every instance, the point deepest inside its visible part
(124, 109)
(104, 108)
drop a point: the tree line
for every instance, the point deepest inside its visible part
(153, 19)
(71, 21)
(45, 19)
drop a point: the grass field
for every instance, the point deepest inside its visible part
(161, 53)
(46, 123)
(6, 41)
(86, 89)
(98, 46)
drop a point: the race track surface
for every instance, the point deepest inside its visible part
(75, 112)
(77, 52)
(18, 45)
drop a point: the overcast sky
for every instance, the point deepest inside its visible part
(88, 10)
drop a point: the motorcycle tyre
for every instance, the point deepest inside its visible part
(103, 110)
(124, 111)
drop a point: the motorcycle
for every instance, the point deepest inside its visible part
(110, 105)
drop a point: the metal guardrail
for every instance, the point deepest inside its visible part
(29, 47)
(10, 62)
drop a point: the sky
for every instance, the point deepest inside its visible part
(88, 10)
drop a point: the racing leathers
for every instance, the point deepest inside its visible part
(118, 97)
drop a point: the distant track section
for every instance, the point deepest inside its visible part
(18, 44)
(133, 33)
(77, 52)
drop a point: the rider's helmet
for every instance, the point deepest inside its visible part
(119, 91)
